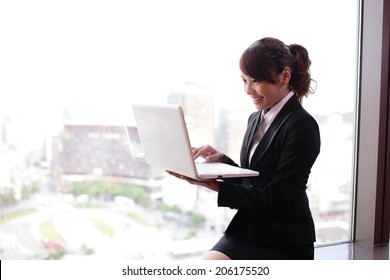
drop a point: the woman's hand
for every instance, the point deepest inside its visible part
(210, 184)
(209, 154)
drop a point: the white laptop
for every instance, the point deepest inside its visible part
(165, 142)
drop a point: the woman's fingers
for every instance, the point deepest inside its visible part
(182, 177)
(209, 154)
(203, 151)
(210, 184)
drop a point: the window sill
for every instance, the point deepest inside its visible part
(352, 251)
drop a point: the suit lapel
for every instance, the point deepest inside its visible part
(269, 135)
(253, 122)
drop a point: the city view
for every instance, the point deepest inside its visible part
(87, 191)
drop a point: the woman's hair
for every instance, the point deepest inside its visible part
(266, 58)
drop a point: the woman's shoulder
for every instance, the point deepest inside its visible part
(298, 110)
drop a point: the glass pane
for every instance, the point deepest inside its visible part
(73, 182)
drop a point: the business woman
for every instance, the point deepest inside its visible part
(282, 142)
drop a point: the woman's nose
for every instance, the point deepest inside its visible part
(248, 89)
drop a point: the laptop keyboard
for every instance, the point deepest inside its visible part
(215, 168)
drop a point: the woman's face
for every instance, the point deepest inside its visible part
(264, 94)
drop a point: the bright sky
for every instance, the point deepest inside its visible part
(107, 54)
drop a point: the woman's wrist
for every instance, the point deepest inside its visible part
(224, 158)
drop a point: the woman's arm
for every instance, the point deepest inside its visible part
(284, 171)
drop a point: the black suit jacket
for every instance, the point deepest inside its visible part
(273, 208)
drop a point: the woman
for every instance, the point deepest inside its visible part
(282, 142)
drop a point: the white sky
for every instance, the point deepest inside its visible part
(108, 54)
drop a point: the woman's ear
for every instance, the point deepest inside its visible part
(285, 76)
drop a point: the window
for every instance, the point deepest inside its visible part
(72, 175)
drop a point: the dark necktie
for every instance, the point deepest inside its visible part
(260, 130)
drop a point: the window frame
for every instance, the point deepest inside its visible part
(372, 185)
